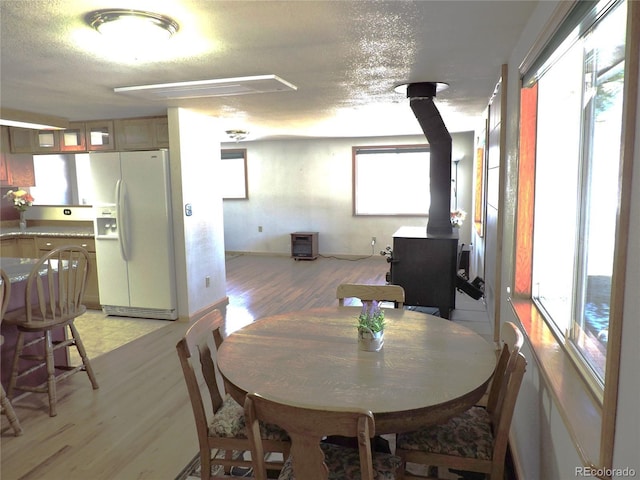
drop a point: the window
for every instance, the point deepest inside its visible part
(391, 180)
(62, 179)
(234, 172)
(571, 130)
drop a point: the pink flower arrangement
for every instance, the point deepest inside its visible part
(21, 199)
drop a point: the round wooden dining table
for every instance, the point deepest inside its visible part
(428, 370)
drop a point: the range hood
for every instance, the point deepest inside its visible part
(421, 101)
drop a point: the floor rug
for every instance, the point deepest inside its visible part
(192, 470)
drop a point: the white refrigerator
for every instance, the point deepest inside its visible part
(134, 235)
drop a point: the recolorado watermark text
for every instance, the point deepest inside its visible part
(605, 472)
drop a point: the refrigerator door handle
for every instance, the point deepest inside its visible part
(121, 208)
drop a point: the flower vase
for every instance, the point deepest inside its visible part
(23, 222)
(370, 341)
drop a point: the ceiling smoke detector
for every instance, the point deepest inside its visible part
(237, 135)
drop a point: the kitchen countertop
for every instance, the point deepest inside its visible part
(48, 231)
(18, 269)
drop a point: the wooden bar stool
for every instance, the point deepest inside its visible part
(53, 299)
(7, 408)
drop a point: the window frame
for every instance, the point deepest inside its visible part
(590, 421)
(238, 155)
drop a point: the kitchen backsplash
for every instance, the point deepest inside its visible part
(60, 212)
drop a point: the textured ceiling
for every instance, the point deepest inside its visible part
(345, 57)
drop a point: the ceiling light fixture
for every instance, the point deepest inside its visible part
(237, 135)
(119, 23)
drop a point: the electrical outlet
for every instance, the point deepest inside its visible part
(207, 281)
(373, 241)
(260, 228)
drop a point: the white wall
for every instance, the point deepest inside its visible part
(305, 185)
(542, 444)
(627, 438)
(199, 241)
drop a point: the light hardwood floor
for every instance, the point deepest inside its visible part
(138, 424)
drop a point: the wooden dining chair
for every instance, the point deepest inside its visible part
(53, 300)
(511, 339)
(475, 441)
(312, 459)
(220, 423)
(381, 293)
(7, 408)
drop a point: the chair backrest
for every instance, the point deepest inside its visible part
(306, 428)
(196, 352)
(382, 293)
(512, 340)
(511, 336)
(56, 285)
(503, 414)
(5, 293)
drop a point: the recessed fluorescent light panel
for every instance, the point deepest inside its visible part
(210, 88)
(18, 118)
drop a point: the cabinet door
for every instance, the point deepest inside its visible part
(9, 248)
(20, 171)
(46, 141)
(91, 293)
(4, 171)
(25, 140)
(27, 247)
(135, 134)
(4, 151)
(99, 135)
(21, 140)
(162, 132)
(73, 139)
(147, 133)
(18, 247)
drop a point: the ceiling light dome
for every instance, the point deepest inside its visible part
(125, 23)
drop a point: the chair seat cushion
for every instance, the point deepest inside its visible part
(467, 435)
(344, 464)
(229, 422)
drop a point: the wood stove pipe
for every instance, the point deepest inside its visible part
(421, 102)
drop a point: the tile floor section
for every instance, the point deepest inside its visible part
(101, 333)
(473, 315)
